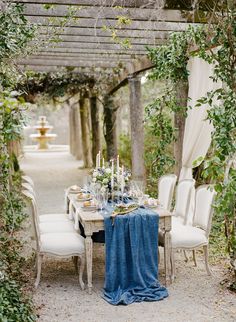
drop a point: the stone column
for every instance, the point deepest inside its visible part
(87, 153)
(110, 127)
(78, 135)
(72, 130)
(137, 129)
(96, 142)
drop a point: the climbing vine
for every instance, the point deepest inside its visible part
(14, 305)
(170, 66)
(220, 41)
(15, 33)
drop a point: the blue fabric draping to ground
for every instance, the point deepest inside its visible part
(131, 258)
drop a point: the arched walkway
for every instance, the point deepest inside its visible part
(193, 297)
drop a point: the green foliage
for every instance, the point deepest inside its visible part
(171, 60)
(13, 307)
(15, 34)
(125, 150)
(158, 155)
(223, 116)
(55, 85)
(13, 304)
(15, 31)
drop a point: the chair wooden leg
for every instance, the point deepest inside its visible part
(75, 261)
(81, 271)
(39, 260)
(172, 262)
(205, 248)
(186, 256)
(194, 257)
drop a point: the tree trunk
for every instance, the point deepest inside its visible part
(179, 123)
(87, 156)
(110, 127)
(137, 129)
(96, 144)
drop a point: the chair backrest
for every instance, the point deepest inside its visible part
(27, 179)
(166, 186)
(184, 191)
(27, 186)
(204, 199)
(34, 216)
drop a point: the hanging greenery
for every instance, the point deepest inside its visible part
(17, 307)
(214, 43)
(219, 48)
(15, 34)
(170, 66)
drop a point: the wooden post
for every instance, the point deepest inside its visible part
(72, 130)
(179, 122)
(137, 129)
(110, 127)
(87, 155)
(94, 112)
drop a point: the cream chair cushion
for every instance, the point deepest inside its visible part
(56, 227)
(63, 244)
(183, 236)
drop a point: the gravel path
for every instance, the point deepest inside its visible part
(194, 296)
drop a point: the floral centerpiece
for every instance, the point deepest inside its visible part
(111, 177)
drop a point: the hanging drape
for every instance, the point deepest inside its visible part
(197, 135)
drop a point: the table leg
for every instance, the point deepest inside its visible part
(167, 254)
(89, 260)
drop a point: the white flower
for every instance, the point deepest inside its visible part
(103, 189)
(108, 170)
(105, 181)
(94, 179)
(95, 173)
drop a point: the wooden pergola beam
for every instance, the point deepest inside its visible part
(104, 46)
(96, 71)
(97, 3)
(86, 56)
(136, 14)
(100, 51)
(98, 32)
(94, 23)
(66, 63)
(107, 40)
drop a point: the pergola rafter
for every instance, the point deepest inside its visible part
(96, 34)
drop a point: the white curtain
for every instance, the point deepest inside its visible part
(197, 135)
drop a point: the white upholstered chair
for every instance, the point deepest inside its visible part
(184, 192)
(27, 179)
(166, 186)
(64, 244)
(195, 236)
(45, 218)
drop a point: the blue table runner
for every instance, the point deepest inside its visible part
(132, 258)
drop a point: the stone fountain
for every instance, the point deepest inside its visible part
(42, 137)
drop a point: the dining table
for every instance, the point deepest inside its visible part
(93, 222)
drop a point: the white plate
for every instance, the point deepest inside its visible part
(151, 206)
(83, 199)
(74, 191)
(89, 208)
